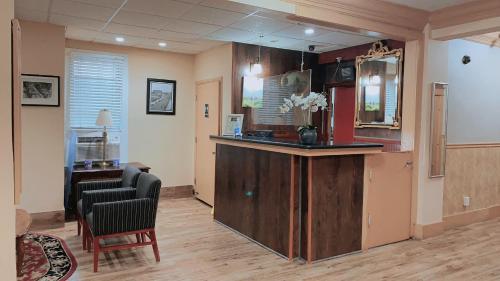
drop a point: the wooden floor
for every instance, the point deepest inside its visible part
(194, 247)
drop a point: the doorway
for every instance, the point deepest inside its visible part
(208, 106)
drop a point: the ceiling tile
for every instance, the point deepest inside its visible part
(78, 9)
(140, 19)
(103, 3)
(37, 5)
(297, 31)
(232, 34)
(212, 16)
(109, 37)
(341, 38)
(274, 41)
(165, 8)
(177, 36)
(76, 22)
(32, 15)
(260, 24)
(123, 29)
(230, 6)
(190, 27)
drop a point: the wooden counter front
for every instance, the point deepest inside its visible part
(296, 205)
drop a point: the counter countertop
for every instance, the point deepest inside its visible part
(296, 144)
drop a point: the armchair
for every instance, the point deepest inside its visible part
(121, 212)
(128, 179)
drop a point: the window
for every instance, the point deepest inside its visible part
(97, 81)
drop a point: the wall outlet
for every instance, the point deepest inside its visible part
(466, 201)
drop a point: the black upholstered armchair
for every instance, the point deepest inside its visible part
(128, 179)
(123, 211)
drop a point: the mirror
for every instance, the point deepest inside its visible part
(439, 114)
(378, 88)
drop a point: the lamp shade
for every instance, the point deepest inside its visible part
(104, 118)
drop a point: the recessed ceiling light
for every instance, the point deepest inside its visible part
(162, 44)
(309, 31)
(119, 39)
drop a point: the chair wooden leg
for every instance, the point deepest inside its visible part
(96, 253)
(79, 225)
(84, 236)
(138, 237)
(143, 236)
(155, 245)
(88, 235)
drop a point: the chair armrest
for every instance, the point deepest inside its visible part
(123, 216)
(96, 185)
(89, 198)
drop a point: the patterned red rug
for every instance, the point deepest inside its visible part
(46, 257)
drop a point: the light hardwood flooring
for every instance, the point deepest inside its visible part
(194, 247)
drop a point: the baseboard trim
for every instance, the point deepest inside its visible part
(47, 220)
(424, 231)
(175, 192)
(456, 220)
(471, 217)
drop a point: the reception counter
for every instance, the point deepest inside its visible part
(297, 200)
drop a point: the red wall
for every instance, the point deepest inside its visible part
(343, 131)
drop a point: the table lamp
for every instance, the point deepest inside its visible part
(104, 119)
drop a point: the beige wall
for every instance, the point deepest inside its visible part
(43, 127)
(7, 231)
(215, 63)
(165, 143)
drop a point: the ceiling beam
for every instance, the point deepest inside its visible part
(392, 20)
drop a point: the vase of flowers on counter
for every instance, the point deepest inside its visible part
(308, 104)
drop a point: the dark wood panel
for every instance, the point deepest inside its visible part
(337, 205)
(252, 194)
(274, 62)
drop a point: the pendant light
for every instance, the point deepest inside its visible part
(256, 68)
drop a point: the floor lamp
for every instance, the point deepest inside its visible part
(104, 119)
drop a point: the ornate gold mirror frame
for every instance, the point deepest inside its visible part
(377, 52)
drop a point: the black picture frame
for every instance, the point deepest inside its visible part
(150, 95)
(24, 99)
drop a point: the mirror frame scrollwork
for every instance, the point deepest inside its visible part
(379, 51)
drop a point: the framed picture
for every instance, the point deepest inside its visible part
(161, 96)
(253, 92)
(233, 122)
(40, 90)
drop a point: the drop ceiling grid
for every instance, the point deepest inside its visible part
(190, 25)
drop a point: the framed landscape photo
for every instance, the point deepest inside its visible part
(40, 90)
(161, 96)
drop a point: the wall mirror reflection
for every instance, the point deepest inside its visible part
(378, 87)
(439, 114)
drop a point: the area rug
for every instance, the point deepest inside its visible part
(46, 258)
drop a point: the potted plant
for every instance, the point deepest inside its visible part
(308, 104)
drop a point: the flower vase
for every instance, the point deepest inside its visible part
(308, 135)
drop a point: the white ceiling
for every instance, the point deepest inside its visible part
(187, 26)
(429, 5)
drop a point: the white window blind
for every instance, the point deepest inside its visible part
(96, 81)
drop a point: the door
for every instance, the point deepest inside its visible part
(387, 216)
(207, 123)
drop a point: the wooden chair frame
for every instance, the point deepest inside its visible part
(90, 240)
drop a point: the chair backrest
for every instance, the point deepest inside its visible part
(130, 176)
(148, 186)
